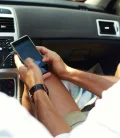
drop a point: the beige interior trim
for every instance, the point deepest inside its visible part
(118, 7)
(101, 3)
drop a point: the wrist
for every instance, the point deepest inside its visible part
(31, 84)
(68, 73)
(37, 88)
(39, 95)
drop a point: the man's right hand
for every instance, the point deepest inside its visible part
(55, 61)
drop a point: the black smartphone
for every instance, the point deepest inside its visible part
(25, 48)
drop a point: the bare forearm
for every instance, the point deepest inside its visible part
(111, 78)
(47, 114)
(91, 82)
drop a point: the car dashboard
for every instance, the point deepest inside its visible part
(78, 33)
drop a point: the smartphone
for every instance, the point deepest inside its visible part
(25, 48)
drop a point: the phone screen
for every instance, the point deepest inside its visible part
(25, 48)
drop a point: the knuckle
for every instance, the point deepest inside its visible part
(28, 59)
(31, 65)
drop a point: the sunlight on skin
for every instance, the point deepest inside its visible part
(18, 62)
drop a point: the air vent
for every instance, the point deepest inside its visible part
(5, 11)
(108, 28)
(6, 25)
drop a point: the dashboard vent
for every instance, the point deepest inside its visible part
(6, 24)
(108, 28)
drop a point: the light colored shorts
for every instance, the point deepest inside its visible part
(75, 118)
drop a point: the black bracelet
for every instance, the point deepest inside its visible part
(36, 88)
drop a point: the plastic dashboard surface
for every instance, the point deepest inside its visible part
(50, 22)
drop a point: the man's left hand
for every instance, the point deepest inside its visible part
(30, 74)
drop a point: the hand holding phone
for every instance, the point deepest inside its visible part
(29, 74)
(25, 48)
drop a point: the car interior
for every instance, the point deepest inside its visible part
(82, 32)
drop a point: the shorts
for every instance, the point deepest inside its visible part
(75, 118)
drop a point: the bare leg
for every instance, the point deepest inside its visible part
(60, 96)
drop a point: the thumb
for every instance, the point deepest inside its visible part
(46, 59)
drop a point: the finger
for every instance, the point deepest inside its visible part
(17, 61)
(29, 63)
(23, 71)
(47, 75)
(43, 50)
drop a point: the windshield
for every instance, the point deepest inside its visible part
(100, 3)
(59, 0)
(76, 0)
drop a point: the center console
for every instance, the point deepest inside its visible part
(9, 79)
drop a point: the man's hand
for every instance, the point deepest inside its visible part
(44, 109)
(30, 74)
(53, 59)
